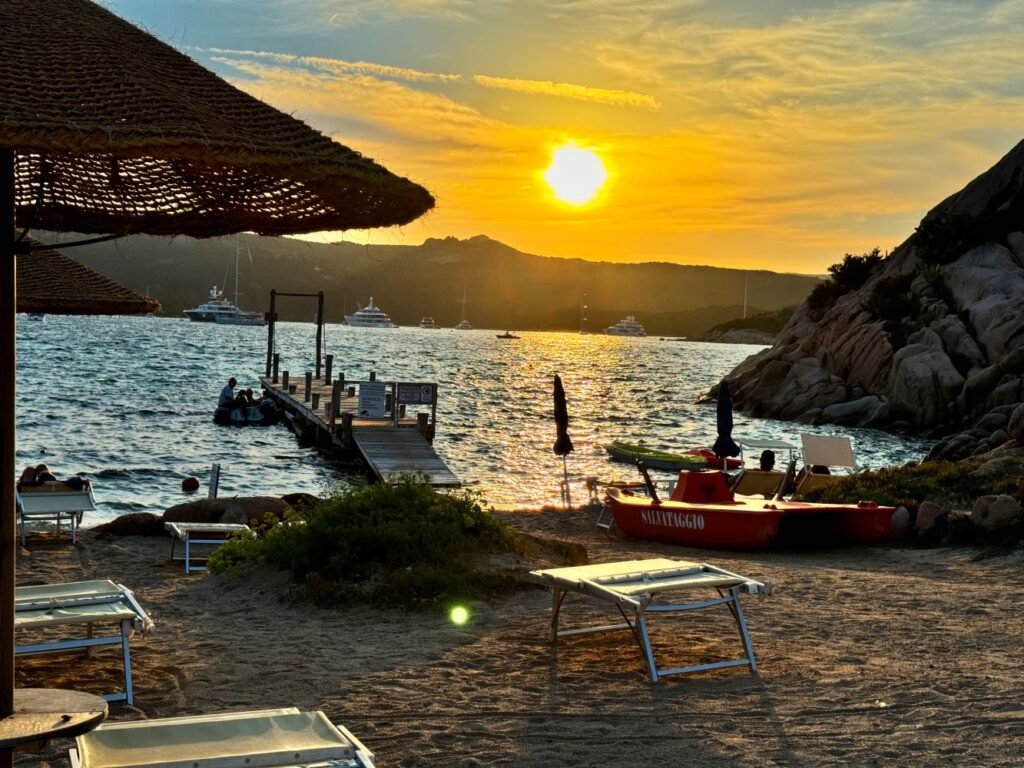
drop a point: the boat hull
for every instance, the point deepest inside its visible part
(745, 523)
(629, 453)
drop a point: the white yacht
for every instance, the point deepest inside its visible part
(630, 326)
(217, 309)
(428, 322)
(464, 324)
(370, 316)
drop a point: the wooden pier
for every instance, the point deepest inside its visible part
(372, 418)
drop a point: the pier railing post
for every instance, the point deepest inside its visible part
(421, 423)
(316, 401)
(309, 387)
(328, 365)
(319, 329)
(341, 379)
(335, 401)
(277, 366)
(373, 375)
(284, 382)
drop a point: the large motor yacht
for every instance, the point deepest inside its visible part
(370, 316)
(630, 326)
(428, 322)
(217, 309)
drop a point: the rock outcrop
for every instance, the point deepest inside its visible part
(931, 341)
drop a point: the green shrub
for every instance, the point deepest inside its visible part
(846, 276)
(943, 238)
(391, 544)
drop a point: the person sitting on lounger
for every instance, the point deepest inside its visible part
(28, 477)
(44, 475)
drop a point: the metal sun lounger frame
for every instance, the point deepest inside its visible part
(53, 501)
(272, 738)
(90, 595)
(634, 586)
(200, 533)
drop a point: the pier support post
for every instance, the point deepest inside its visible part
(316, 401)
(341, 379)
(309, 386)
(284, 382)
(346, 428)
(319, 329)
(351, 391)
(421, 423)
(328, 365)
(373, 375)
(335, 401)
(277, 366)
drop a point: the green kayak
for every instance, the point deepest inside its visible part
(652, 458)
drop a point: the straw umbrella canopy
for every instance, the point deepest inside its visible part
(563, 443)
(724, 446)
(52, 283)
(106, 130)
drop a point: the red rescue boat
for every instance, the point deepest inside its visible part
(702, 512)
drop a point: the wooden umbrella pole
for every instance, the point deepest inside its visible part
(565, 476)
(8, 306)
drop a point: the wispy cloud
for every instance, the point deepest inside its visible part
(342, 67)
(568, 91)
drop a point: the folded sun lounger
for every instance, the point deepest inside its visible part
(200, 533)
(82, 602)
(637, 588)
(53, 501)
(273, 738)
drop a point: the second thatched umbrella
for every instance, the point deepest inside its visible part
(563, 443)
(106, 130)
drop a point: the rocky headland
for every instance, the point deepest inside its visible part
(928, 339)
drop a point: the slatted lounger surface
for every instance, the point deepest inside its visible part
(82, 602)
(273, 738)
(200, 533)
(637, 588)
(53, 501)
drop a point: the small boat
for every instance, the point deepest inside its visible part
(702, 512)
(263, 415)
(629, 326)
(370, 316)
(36, 316)
(464, 324)
(652, 458)
(507, 335)
(428, 322)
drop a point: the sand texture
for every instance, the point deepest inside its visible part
(867, 657)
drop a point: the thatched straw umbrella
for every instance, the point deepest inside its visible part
(105, 129)
(52, 283)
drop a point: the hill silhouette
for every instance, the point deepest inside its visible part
(505, 288)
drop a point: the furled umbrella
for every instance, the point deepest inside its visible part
(106, 130)
(563, 443)
(724, 445)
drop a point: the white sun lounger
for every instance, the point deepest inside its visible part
(82, 602)
(200, 533)
(637, 588)
(273, 738)
(53, 501)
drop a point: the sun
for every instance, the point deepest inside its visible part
(575, 175)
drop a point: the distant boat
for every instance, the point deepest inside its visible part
(629, 326)
(219, 310)
(507, 335)
(36, 316)
(370, 316)
(463, 323)
(428, 322)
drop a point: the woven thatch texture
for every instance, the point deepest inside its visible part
(50, 282)
(118, 132)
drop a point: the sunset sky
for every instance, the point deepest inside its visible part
(739, 133)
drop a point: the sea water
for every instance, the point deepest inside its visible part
(129, 401)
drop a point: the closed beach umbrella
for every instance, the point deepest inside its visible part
(724, 444)
(106, 130)
(563, 443)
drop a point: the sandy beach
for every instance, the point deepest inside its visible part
(867, 657)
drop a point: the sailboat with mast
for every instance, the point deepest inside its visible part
(464, 324)
(217, 309)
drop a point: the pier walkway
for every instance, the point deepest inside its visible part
(368, 418)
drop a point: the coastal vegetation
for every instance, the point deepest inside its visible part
(389, 544)
(845, 277)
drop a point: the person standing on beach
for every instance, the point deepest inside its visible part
(227, 395)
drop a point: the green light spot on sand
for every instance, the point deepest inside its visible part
(459, 615)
